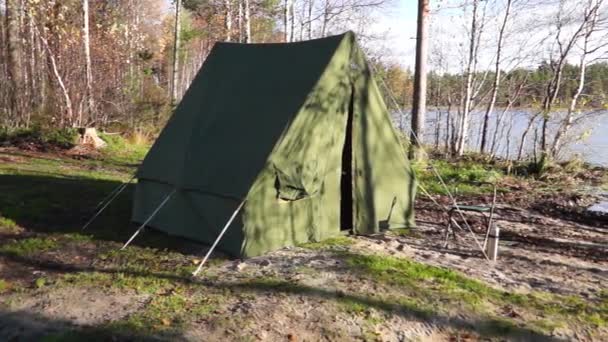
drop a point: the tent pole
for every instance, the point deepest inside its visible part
(110, 198)
(148, 219)
(219, 237)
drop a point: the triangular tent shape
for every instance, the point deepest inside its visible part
(299, 131)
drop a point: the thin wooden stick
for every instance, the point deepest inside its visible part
(148, 220)
(219, 237)
(112, 197)
(485, 240)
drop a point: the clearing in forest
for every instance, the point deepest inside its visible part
(60, 283)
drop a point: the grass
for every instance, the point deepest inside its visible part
(459, 177)
(336, 243)
(29, 246)
(53, 196)
(122, 150)
(9, 226)
(438, 287)
(4, 286)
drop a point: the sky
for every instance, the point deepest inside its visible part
(399, 21)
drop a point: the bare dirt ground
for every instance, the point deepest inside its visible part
(574, 264)
(56, 283)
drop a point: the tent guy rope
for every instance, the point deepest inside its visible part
(435, 171)
(109, 198)
(217, 240)
(143, 225)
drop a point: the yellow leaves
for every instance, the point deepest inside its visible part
(166, 322)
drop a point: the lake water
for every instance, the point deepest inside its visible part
(588, 139)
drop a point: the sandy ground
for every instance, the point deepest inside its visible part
(536, 253)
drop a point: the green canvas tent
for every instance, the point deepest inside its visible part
(298, 131)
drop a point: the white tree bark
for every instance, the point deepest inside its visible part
(468, 96)
(176, 46)
(287, 4)
(496, 84)
(90, 107)
(57, 74)
(228, 19)
(247, 22)
(592, 13)
(311, 4)
(239, 21)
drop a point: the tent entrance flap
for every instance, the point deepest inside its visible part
(346, 179)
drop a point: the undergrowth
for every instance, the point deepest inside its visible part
(58, 138)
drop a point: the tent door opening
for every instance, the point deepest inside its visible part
(346, 181)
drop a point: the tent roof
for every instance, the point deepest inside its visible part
(237, 108)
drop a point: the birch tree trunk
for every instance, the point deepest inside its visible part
(287, 20)
(326, 9)
(90, 109)
(565, 47)
(292, 21)
(524, 135)
(239, 21)
(311, 4)
(57, 74)
(496, 84)
(176, 45)
(247, 22)
(567, 123)
(228, 19)
(464, 123)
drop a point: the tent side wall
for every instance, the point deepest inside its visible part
(385, 183)
(189, 213)
(296, 199)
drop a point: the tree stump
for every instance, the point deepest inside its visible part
(88, 136)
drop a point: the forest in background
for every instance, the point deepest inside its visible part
(115, 65)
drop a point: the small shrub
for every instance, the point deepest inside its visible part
(8, 226)
(4, 285)
(64, 138)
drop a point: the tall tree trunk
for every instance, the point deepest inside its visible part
(176, 46)
(326, 10)
(564, 128)
(228, 19)
(464, 123)
(287, 20)
(247, 22)
(87, 56)
(524, 135)
(57, 74)
(496, 84)
(14, 60)
(311, 4)
(292, 21)
(240, 21)
(420, 75)
(34, 91)
(448, 119)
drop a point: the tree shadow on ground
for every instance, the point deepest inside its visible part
(54, 203)
(485, 326)
(31, 326)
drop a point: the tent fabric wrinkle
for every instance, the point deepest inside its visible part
(266, 124)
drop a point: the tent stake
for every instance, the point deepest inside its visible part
(219, 237)
(112, 196)
(148, 220)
